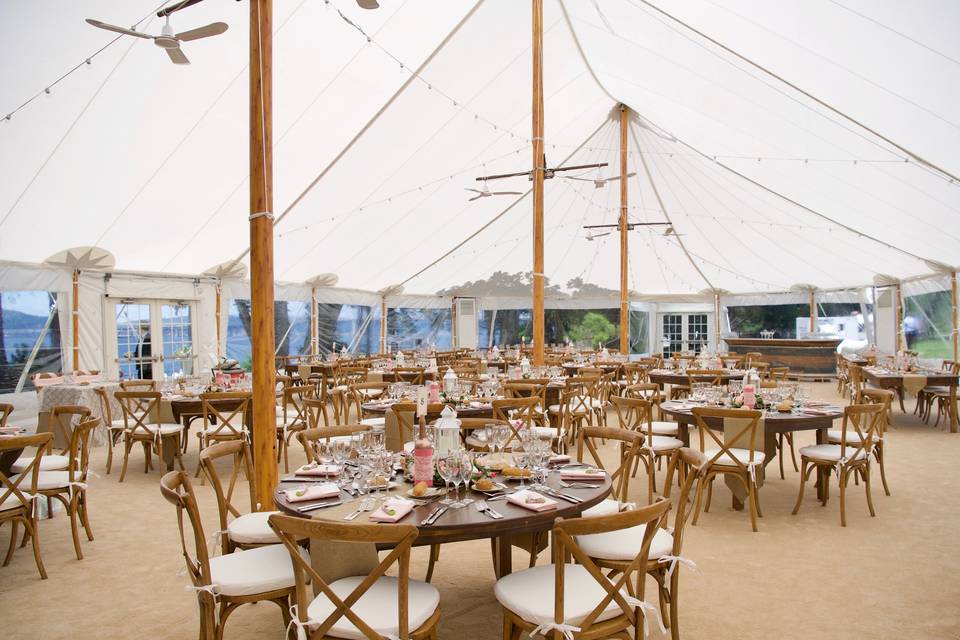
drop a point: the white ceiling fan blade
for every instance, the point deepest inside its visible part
(116, 29)
(212, 29)
(508, 193)
(177, 56)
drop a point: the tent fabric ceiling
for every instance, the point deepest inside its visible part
(149, 160)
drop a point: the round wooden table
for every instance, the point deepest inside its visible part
(673, 376)
(458, 525)
(483, 411)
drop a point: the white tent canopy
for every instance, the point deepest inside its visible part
(383, 118)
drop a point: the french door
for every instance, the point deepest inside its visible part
(153, 338)
(681, 332)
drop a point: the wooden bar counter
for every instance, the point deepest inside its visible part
(808, 356)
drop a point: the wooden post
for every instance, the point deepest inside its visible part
(813, 311)
(953, 300)
(76, 319)
(313, 322)
(899, 319)
(261, 252)
(218, 314)
(716, 306)
(538, 167)
(383, 324)
(624, 239)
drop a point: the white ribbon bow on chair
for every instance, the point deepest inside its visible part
(674, 560)
(215, 540)
(645, 608)
(545, 628)
(303, 627)
(839, 466)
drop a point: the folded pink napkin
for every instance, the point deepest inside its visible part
(583, 474)
(11, 430)
(819, 412)
(817, 403)
(392, 510)
(327, 490)
(540, 502)
(314, 469)
(559, 459)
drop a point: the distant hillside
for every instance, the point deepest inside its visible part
(18, 320)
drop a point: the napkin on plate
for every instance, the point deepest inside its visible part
(583, 474)
(317, 492)
(520, 498)
(819, 411)
(392, 510)
(314, 469)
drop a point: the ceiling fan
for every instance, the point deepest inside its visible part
(168, 40)
(591, 236)
(599, 183)
(486, 193)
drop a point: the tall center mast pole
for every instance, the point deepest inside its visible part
(538, 167)
(624, 238)
(261, 251)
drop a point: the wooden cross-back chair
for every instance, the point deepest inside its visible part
(526, 389)
(18, 493)
(413, 375)
(62, 421)
(939, 395)
(228, 581)
(849, 458)
(842, 375)
(311, 439)
(399, 607)
(635, 373)
(883, 397)
(238, 530)
(361, 393)
(69, 487)
(225, 417)
(603, 607)
(141, 424)
(749, 357)
(732, 361)
(573, 411)
(527, 410)
(114, 426)
(714, 377)
(855, 382)
(138, 385)
(629, 442)
(657, 439)
(343, 377)
(407, 423)
(736, 456)
(469, 425)
(294, 419)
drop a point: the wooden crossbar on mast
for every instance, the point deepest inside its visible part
(624, 238)
(538, 167)
(261, 252)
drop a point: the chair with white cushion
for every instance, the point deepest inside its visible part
(851, 457)
(372, 606)
(577, 601)
(736, 451)
(659, 439)
(140, 414)
(69, 486)
(650, 391)
(366, 392)
(225, 417)
(62, 421)
(294, 419)
(315, 439)
(883, 397)
(526, 410)
(228, 581)
(114, 426)
(630, 443)
(17, 494)
(573, 411)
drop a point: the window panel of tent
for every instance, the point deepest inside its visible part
(355, 326)
(928, 324)
(410, 328)
(749, 321)
(29, 338)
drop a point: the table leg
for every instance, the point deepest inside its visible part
(503, 556)
(683, 433)
(823, 478)
(953, 408)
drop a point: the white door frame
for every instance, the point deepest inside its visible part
(156, 332)
(685, 323)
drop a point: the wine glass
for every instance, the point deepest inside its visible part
(466, 474)
(449, 468)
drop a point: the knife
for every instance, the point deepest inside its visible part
(565, 496)
(322, 505)
(431, 514)
(433, 518)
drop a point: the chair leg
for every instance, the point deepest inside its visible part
(111, 443)
(706, 507)
(780, 454)
(804, 472)
(866, 484)
(34, 530)
(844, 476)
(878, 452)
(85, 516)
(793, 455)
(75, 526)
(751, 504)
(127, 445)
(14, 526)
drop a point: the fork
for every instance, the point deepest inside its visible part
(367, 504)
(578, 485)
(483, 507)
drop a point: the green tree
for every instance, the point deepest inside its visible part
(592, 329)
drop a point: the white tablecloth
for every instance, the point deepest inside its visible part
(85, 396)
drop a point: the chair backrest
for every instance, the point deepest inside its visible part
(231, 418)
(400, 537)
(138, 385)
(309, 438)
(239, 452)
(869, 395)
(713, 376)
(5, 410)
(467, 425)
(526, 389)
(360, 393)
(524, 409)
(744, 435)
(635, 373)
(294, 413)
(406, 413)
(64, 419)
(691, 461)
(732, 361)
(565, 545)
(139, 410)
(634, 414)
(863, 420)
(175, 486)
(24, 484)
(778, 373)
(855, 376)
(630, 443)
(413, 375)
(103, 398)
(749, 357)
(80, 450)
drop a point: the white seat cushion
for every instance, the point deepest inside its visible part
(118, 424)
(830, 452)
(47, 463)
(529, 594)
(835, 435)
(475, 442)
(662, 428)
(374, 422)
(578, 407)
(12, 502)
(377, 606)
(743, 455)
(604, 508)
(164, 429)
(625, 544)
(252, 528)
(547, 431)
(46, 480)
(665, 443)
(243, 573)
(371, 393)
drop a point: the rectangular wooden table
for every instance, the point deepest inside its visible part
(894, 380)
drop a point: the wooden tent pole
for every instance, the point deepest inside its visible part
(716, 306)
(313, 322)
(76, 319)
(538, 166)
(383, 324)
(261, 252)
(953, 300)
(624, 239)
(813, 311)
(899, 319)
(219, 316)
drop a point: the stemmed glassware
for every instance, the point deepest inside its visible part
(466, 474)
(449, 468)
